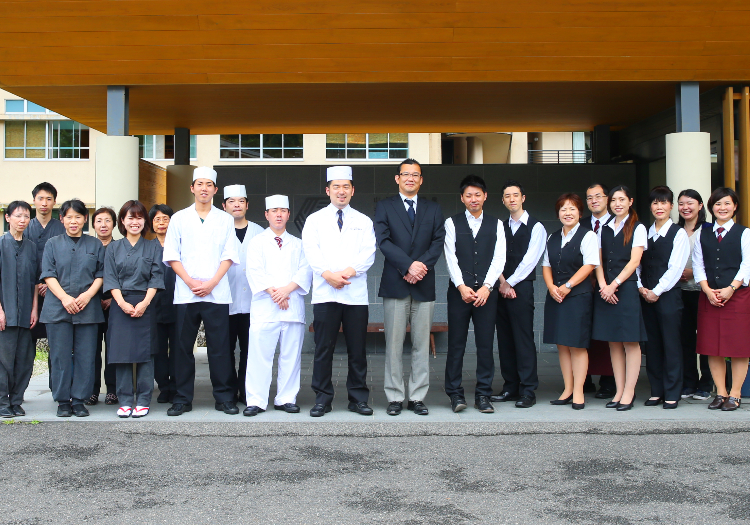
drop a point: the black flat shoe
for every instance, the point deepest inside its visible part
(458, 403)
(579, 406)
(394, 408)
(79, 410)
(653, 402)
(361, 408)
(228, 407)
(565, 401)
(289, 408)
(605, 393)
(64, 410)
(252, 411)
(612, 404)
(526, 402)
(18, 410)
(418, 407)
(164, 396)
(93, 400)
(482, 403)
(623, 408)
(669, 406)
(6, 412)
(319, 410)
(179, 408)
(504, 396)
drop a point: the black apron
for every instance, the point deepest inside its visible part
(131, 339)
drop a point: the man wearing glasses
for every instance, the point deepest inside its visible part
(410, 232)
(599, 360)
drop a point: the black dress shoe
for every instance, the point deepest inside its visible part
(319, 410)
(526, 402)
(458, 403)
(289, 408)
(579, 406)
(624, 407)
(589, 387)
(79, 410)
(418, 407)
(565, 401)
(360, 408)
(64, 410)
(6, 412)
(179, 408)
(18, 410)
(612, 404)
(504, 396)
(394, 408)
(252, 411)
(653, 402)
(605, 393)
(228, 407)
(482, 403)
(669, 406)
(717, 403)
(164, 396)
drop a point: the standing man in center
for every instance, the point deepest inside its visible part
(200, 247)
(410, 233)
(235, 204)
(339, 244)
(525, 241)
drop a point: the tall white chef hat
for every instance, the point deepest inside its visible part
(204, 172)
(277, 201)
(339, 173)
(236, 190)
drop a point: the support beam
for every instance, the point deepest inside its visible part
(728, 138)
(118, 111)
(689, 163)
(687, 104)
(601, 145)
(744, 151)
(181, 146)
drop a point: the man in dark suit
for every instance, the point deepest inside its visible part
(410, 233)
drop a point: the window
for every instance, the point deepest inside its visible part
(24, 106)
(372, 146)
(260, 147)
(161, 147)
(39, 139)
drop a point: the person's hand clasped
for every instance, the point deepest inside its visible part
(507, 291)
(336, 279)
(3, 321)
(467, 294)
(139, 309)
(42, 290)
(70, 304)
(418, 270)
(481, 296)
(608, 293)
(203, 288)
(724, 294)
(106, 304)
(127, 308)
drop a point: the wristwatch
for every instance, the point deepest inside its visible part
(619, 283)
(733, 287)
(489, 287)
(568, 285)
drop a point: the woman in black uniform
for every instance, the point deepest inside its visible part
(617, 309)
(572, 254)
(166, 312)
(133, 272)
(661, 268)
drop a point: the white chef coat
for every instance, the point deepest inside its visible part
(327, 248)
(677, 258)
(537, 245)
(241, 294)
(201, 247)
(449, 247)
(270, 266)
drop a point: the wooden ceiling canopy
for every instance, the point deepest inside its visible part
(314, 66)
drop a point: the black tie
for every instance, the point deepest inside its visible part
(410, 211)
(341, 219)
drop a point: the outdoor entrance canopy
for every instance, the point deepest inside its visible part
(313, 66)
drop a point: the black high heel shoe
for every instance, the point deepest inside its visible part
(612, 404)
(623, 407)
(653, 402)
(579, 406)
(562, 401)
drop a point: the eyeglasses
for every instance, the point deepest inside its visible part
(21, 216)
(595, 197)
(406, 175)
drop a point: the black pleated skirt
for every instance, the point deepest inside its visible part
(568, 323)
(621, 322)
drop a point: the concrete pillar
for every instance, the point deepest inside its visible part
(519, 148)
(474, 150)
(600, 145)
(459, 150)
(689, 164)
(687, 104)
(116, 167)
(118, 109)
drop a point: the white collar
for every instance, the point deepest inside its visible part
(524, 218)
(335, 210)
(404, 197)
(662, 231)
(571, 232)
(604, 218)
(470, 217)
(213, 208)
(622, 223)
(727, 225)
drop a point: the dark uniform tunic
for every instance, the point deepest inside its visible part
(39, 236)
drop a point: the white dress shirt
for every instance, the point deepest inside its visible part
(640, 236)
(589, 247)
(690, 285)
(699, 268)
(677, 259)
(242, 297)
(270, 266)
(498, 257)
(604, 218)
(201, 246)
(326, 248)
(406, 204)
(537, 244)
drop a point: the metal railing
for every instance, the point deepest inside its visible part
(559, 156)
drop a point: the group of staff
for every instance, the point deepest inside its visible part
(610, 282)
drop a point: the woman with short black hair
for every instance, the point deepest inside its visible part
(724, 308)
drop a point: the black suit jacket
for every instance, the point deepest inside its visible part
(402, 245)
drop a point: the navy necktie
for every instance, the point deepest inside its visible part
(410, 211)
(341, 219)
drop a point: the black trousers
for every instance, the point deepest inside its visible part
(515, 341)
(690, 377)
(215, 319)
(239, 328)
(663, 320)
(483, 319)
(164, 371)
(110, 375)
(605, 382)
(327, 319)
(16, 364)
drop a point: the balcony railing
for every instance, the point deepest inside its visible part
(559, 156)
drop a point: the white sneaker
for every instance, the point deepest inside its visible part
(124, 412)
(140, 411)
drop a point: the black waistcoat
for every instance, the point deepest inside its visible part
(722, 259)
(655, 260)
(615, 256)
(474, 254)
(516, 247)
(566, 260)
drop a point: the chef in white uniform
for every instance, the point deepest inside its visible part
(279, 277)
(235, 204)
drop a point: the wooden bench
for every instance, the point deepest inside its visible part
(380, 328)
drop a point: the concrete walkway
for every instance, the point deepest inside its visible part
(40, 406)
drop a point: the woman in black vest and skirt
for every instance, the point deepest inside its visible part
(661, 268)
(617, 309)
(572, 254)
(721, 265)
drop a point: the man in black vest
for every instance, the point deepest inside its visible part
(410, 233)
(475, 255)
(525, 240)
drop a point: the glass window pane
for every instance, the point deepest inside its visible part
(168, 147)
(36, 134)
(85, 153)
(158, 146)
(14, 106)
(378, 140)
(250, 153)
(398, 153)
(229, 153)
(229, 141)
(34, 108)
(84, 137)
(251, 141)
(272, 141)
(335, 153)
(66, 153)
(193, 146)
(356, 140)
(355, 154)
(149, 149)
(35, 154)
(14, 134)
(66, 138)
(378, 154)
(293, 141)
(398, 140)
(335, 140)
(13, 153)
(292, 153)
(272, 153)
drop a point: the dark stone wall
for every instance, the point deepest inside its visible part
(305, 186)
